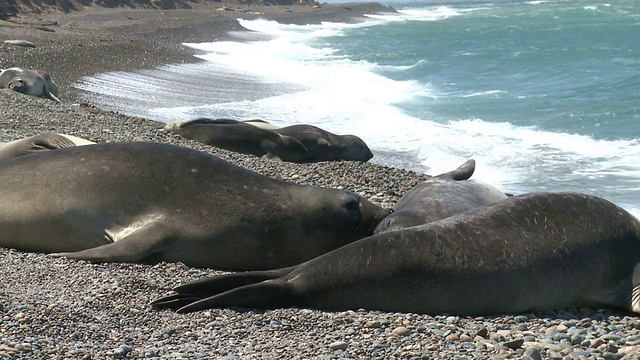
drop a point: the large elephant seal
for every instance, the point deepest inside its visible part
(29, 82)
(323, 145)
(439, 197)
(531, 252)
(151, 202)
(237, 136)
(40, 142)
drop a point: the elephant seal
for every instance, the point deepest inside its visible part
(326, 146)
(237, 136)
(153, 202)
(439, 197)
(31, 144)
(29, 82)
(23, 43)
(532, 252)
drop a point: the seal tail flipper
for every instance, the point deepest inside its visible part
(175, 301)
(221, 283)
(203, 288)
(463, 172)
(268, 294)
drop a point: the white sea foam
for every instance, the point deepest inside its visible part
(424, 14)
(525, 159)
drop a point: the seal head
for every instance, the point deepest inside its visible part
(29, 82)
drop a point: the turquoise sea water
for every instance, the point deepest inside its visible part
(545, 95)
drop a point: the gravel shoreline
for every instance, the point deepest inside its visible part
(61, 309)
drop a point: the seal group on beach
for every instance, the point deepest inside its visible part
(153, 202)
(439, 197)
(533, 252)
(29, 82)
(296, 143)
(240, 137)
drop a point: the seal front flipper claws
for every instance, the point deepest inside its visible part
(137, 243)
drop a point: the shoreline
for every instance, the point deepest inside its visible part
(58, 308)
(126, 39)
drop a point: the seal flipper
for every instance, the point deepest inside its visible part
(270, 149)
(463, 172)
(286, 149)
(147, 237)
(221, 283)
(268, 294)
(50, 141)
(203, 288)
(49, 95)
(624, 294)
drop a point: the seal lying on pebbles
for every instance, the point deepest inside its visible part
(23, 43)
(237, 136)
(532, 252)
(439, 197)
(323, 145)
(152, 202)
(29, 82)
(31, 144)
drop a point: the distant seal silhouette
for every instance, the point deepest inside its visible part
(152, 202)
(323, 145)
(31, 144)
(532, 252)
(237, 136)
(23, 43)
(439, 197)
(29, 82)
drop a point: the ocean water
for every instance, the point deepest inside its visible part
(544, 95)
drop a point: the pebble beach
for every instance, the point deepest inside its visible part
(52, 308)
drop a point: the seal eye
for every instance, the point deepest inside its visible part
(353, 206)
